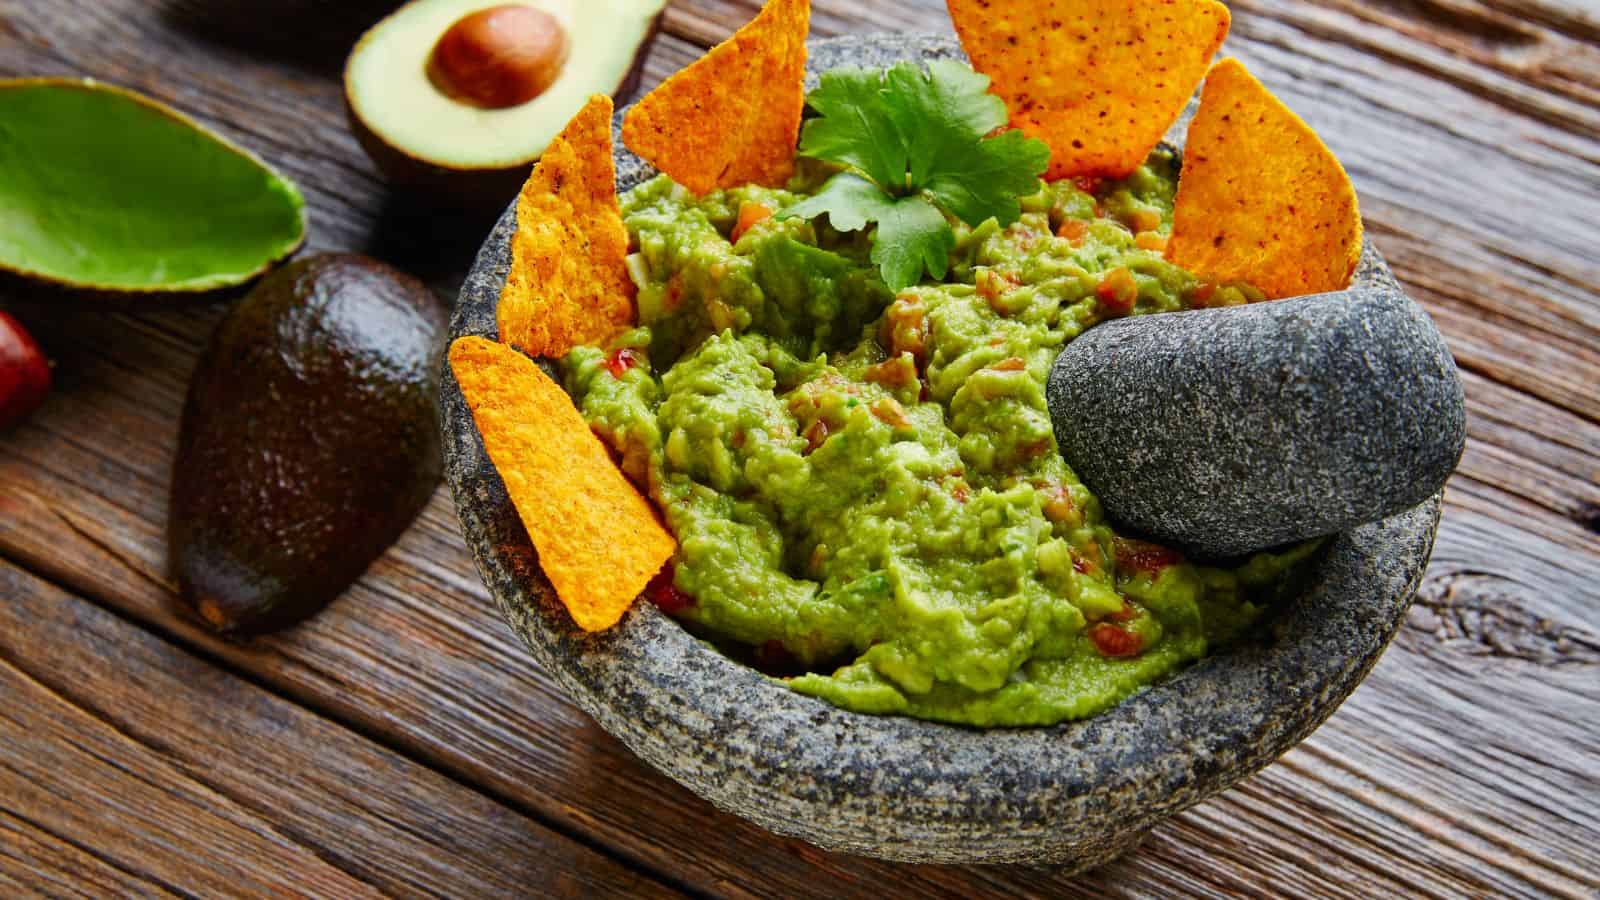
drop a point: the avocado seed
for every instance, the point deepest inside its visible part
(499, 57)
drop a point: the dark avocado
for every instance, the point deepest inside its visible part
(454, 100)
(309, 440)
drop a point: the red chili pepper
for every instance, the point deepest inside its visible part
(24, 372)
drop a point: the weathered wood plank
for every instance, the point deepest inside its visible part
(180, 776)
(1400, 793)
(36, 863)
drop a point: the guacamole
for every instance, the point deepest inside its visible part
(865, 486)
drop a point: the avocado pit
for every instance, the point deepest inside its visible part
(499, 57)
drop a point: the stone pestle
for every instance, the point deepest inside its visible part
(1225, 431)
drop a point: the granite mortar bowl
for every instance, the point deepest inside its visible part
(1073, 795)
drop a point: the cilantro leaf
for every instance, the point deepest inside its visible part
(987, 178)
(849, 201)
(916, 148)
(913, 234)
(854, 128)
(947, 109)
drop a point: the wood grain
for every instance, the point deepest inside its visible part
(1467, 764)
(183, 777)
(36, 863)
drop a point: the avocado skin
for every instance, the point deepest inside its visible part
(308, 441)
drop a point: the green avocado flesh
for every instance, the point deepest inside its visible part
(865, 487)
(101, 188)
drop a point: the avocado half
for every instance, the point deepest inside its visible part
(465, 155)
(108, 191)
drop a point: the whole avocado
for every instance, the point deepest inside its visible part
(308, 441)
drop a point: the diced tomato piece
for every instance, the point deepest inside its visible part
(1150, 240)
(889, 411)
(1010, 364)
(1200, 296)
(749, 215)
(1074, 230)
(896, 372)
(905, 328)
(1058, 505)
(1115, 642)
(621, 361)
(816, 435)
(1141, 220)
(665, 594)
(1118, 291)
(1089, 184)
(992, 284)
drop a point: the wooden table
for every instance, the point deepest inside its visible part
(403, 743)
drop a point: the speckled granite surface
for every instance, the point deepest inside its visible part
(1224, 431)
(1073, 795)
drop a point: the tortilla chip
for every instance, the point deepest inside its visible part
(1100, 81)
(569, 282)
(1261, 198)
(599, 542)
(731, 117)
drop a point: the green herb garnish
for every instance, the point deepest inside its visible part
(916, 151)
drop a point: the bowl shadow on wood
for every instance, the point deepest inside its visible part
(1072, 795)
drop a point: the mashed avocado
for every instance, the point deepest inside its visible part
(865, 486)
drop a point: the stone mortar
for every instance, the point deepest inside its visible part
(1074, 795)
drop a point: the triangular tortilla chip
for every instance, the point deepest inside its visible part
(599, 542)
(731, 117)
(1260, 198)
(1100, 81)
(569, 282)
